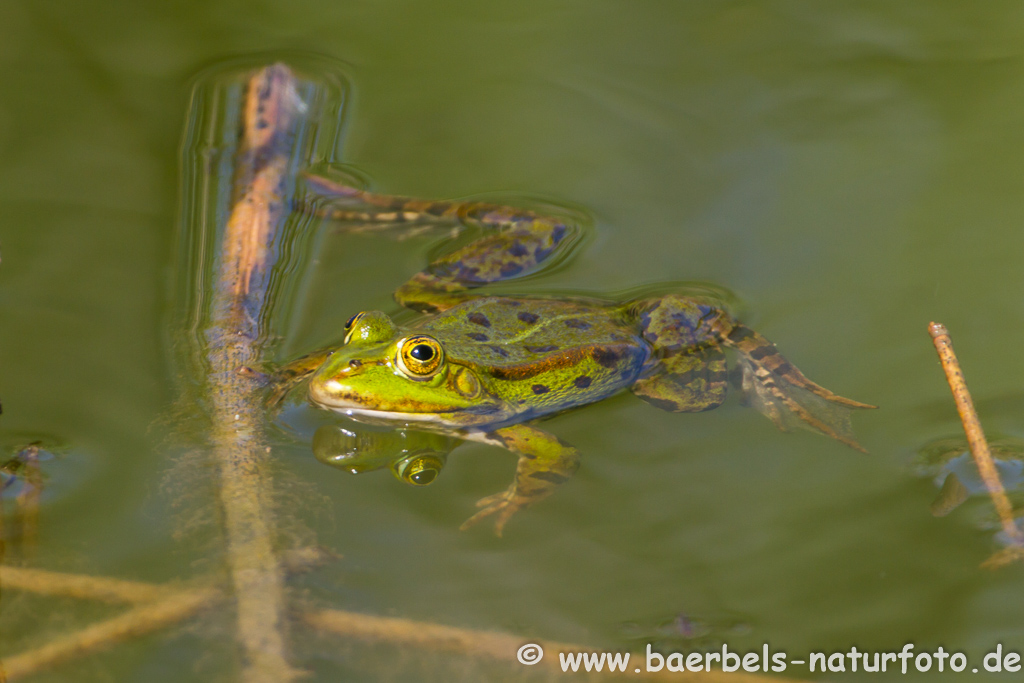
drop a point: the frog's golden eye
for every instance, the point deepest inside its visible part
(420, 357)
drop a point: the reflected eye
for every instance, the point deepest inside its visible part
(421, 470)
(420, 357)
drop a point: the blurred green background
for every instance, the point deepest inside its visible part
(851, 170)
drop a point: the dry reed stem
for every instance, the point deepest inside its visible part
(975, 436)
(491, 645)
(79, 586)
(172, 608)
(239, 447)
(157, 611)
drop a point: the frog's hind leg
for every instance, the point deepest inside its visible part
(362, 211)
(688, 334)
(691, 374)
(516, 242)
(691, 381)
(780, 391)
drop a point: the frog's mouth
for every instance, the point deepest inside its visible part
(342, 399)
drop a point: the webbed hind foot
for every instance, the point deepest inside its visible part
(780, 391)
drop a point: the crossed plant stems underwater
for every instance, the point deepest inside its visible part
(265, 167)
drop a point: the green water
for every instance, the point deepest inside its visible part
(850, 170)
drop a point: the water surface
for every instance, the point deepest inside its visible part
(851, 171)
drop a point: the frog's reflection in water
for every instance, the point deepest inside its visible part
(416, 458)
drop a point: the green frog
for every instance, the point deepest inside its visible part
(487, 368)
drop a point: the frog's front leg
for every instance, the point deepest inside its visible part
(516, 242)
(288, 376)
(544, 463)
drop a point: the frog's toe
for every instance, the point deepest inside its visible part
(790, 405)
(503, 505)
(496, 499)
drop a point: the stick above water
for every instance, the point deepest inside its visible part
(264, 169)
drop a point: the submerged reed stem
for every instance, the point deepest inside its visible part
(145, 618)
(495, 646)
(264, 166)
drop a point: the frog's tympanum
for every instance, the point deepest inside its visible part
(487, 368)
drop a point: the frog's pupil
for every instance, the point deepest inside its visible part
(350, 321)
(422, 353)
(424, 477)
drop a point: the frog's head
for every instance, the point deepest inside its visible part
(385, 374)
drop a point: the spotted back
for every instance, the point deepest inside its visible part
(543, 355)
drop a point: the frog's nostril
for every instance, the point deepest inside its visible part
(353, 368)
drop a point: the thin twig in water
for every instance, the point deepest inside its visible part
(978, 444)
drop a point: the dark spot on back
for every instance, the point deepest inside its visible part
(540, 349)
(582, 382)
(511, 269)
(760, 352)
(577, 324)
(558, 233)
(478, 336)
(478, 318)
(527, 317)
(540, 389)
(605, 357)
(498, 350)
(518, 249)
